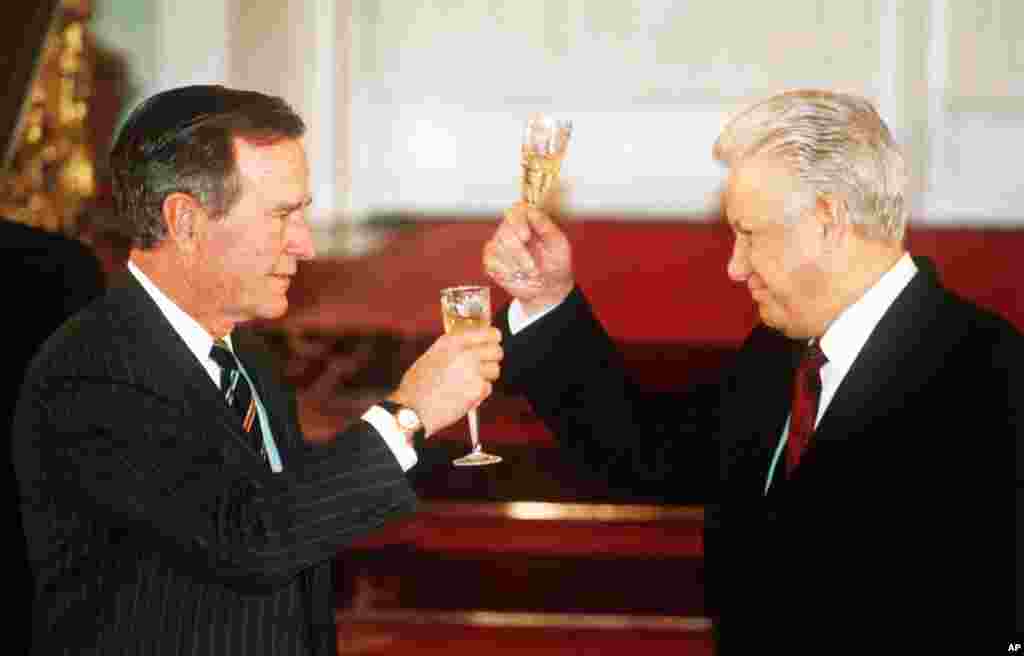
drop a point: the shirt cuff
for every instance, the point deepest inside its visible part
(517, 319)
(393, 436)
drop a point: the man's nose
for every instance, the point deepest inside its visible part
(738, 267)
(299, 239)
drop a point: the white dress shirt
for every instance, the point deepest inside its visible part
(199, 341)
(517, 319)
(845, 338)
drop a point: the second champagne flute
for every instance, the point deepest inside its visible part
(468, 307)
(545, 139)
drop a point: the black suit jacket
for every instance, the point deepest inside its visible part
(152, 525)
(899, 514)
(62, 275)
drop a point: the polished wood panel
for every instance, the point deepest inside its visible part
(529, 575)
(556, 529)
(455, 634)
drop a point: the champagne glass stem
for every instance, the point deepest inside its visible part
(474, 429)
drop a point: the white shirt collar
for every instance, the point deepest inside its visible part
(198, 340)
(846, 336)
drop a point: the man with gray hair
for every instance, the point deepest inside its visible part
(828, 451)
(171, 502)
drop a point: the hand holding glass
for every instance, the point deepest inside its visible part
(466, 308)
(545, 140)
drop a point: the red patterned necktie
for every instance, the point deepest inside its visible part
(806, 390)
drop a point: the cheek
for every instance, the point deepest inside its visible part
(252, 253)
(780, 269)
(792, 257)
(266, 246)
(230, 261)
(769, 260)
(804, 283)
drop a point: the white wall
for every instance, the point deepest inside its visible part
(165, 42)
(291, 48)
(976, 112)
(417, 105)
(296, 49)
(440, 90)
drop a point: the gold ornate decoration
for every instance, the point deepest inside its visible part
(52, 176)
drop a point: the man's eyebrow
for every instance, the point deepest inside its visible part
(288, 208)
(738, 225)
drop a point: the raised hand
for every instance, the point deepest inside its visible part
(530, 257)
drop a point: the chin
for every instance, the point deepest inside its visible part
(776, 322)
(274, 310)
(789, 330)
(768, 317)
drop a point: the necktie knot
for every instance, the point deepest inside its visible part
(806, 390)
(222, 355)
(810, 366)
(814, 356)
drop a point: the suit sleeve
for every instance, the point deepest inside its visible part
(154, 472)
(570, 371)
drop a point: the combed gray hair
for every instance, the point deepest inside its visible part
(182, 140)
(834, 143)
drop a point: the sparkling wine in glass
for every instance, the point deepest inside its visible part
(545, 139)
(468, 307)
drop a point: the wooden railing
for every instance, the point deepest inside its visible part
(528, 577)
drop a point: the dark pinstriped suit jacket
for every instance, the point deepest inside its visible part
(152, 526)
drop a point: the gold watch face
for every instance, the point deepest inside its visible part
(408, 419)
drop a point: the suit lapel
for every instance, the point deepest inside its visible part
(892, 363)
(163, 362)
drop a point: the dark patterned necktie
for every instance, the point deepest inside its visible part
(237, 393)
(806, 393)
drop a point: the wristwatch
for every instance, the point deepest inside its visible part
(408, 421)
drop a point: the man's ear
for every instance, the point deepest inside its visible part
(184, 218)
(833, 217)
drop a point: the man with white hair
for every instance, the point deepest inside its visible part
(831, 450)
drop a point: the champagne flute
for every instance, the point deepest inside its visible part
(545, 139)
(468, 307)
